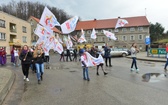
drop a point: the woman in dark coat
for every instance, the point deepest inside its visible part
(26, 59)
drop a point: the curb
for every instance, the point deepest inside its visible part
(152, 60)
(6, 88)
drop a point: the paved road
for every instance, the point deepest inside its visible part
(63, 85)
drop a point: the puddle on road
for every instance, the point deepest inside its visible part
(73, 71)
(153, 77)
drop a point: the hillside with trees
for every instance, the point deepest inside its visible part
(25, 9)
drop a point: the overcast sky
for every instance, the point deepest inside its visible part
(156, 10)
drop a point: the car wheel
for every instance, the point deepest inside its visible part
(124, 54)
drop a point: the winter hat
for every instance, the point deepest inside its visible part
(81, 51)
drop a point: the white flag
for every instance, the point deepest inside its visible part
(58, 46)
(93, 34)
(69, 41)
(92, 61)
(42, 31)
(82, 38)
(109, 35)
(69, 25)
(121, 23)
(48, 19)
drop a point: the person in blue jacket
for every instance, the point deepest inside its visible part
(107, 55)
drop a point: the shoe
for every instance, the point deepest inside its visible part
(111, 66)
(132, 69)
(105, 73)
(24, 78)
(137, 70)
(165, 69)
(97, 73)
(106, 65)
(41, 77)
(84, 78)
(27, 79)
(39, 82)
(88, 79)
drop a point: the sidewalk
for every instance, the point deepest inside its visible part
(143, 56)
(7, 78)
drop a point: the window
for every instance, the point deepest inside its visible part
(24, 29)
(117, 38)
(124, 29)
(110, 30)
(101, 31)
(24, 39)
(140, 37)
(2, 23)
(132, 29)
(2, 36)
(132, 37)
(88, 31)
(124, 38)
(103, 39)
(140, 28)
(116, 30)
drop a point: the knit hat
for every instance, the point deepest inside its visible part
(81, 51)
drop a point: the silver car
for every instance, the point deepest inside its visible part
(117, 52)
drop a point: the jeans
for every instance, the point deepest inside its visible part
(134, 62)
(39, 70)
(166, 64)
(85, 72)
(47, 58)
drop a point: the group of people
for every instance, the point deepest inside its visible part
(68, 54)
(35, 58)
(30, 57)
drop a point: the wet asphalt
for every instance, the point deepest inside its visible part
(63, 85)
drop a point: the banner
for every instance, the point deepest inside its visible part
(121, 23)
(93, 34)
(109, 35)
(69, 25)
(48, 19)
(92, 61)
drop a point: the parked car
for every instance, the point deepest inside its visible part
(117, 52)
(125, 49)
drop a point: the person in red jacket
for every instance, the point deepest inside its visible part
(165, 68)
(0, 55)
(3, 56)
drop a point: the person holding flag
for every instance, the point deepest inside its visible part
(84, 65)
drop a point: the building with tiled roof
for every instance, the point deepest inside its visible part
(34, 21)
(135, 31)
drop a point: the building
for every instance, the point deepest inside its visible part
(13, 32)
(34, 21)
(135, 31)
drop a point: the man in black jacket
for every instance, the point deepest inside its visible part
(68, 55)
